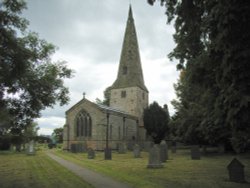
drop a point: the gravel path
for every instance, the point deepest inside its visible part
(95, 179)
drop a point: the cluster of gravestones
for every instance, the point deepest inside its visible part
(158, 154)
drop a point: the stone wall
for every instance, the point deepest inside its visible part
(121, 126)
(134, 103)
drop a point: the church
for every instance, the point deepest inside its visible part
(89, 124)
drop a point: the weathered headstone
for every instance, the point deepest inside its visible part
(148, 145)
(195, 152)
(31, 148)
(122, 147)
(137, 151)
(173, 147)
(107, 154)
(163, 151)
(236, 171)
(154, 160)
(91, 153)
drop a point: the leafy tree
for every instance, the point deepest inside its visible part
(213, 48)
(156, 121)
(106, 100)
(58, 134)
(29, 81)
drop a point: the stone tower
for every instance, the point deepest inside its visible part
(129, 93)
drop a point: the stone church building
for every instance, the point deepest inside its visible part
(97, 126)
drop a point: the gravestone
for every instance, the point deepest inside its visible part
(137, 151)
(78, 147)
(236, 171)
(81, 147)
(73, 148)
(154, 160)
(31, 148)
(130, 145)
(91, 153)
(163, 151)
(107, 154)
(173, 147)
(148, 145)
(122, 147)
(195, 152)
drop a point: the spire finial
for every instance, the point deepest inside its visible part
(130, 14)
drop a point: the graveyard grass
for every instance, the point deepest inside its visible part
(20, 170)
(179, 171)
(39, 171)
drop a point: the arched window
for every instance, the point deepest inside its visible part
(83, 124)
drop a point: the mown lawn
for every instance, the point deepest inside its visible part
(180, 171)
(39, 171)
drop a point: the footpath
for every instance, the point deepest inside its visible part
(93, 178)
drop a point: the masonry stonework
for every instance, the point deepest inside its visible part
(87, 122)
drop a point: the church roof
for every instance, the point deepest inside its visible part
(102, 108)
(130, 71)
(115, 110)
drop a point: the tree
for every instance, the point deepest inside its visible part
(156, 121)
(213, 48)
(29, 81)
(106, 94)
(58, 134)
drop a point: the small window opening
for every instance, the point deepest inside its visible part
(123, 94)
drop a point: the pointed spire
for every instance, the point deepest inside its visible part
(130, 71)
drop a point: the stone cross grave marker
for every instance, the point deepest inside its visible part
(154, 160)
(236, 171)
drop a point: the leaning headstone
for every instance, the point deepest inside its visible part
(31, 148)
(137, 151)
(107, 154)
(236, 171)
(121, 147)
(91, 153)
(195, 152)
(154, 160)
(163, 151)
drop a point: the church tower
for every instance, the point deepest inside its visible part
(129, 93)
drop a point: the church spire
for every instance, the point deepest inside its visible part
(130, 71)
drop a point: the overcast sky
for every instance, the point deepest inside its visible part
(89, 36)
